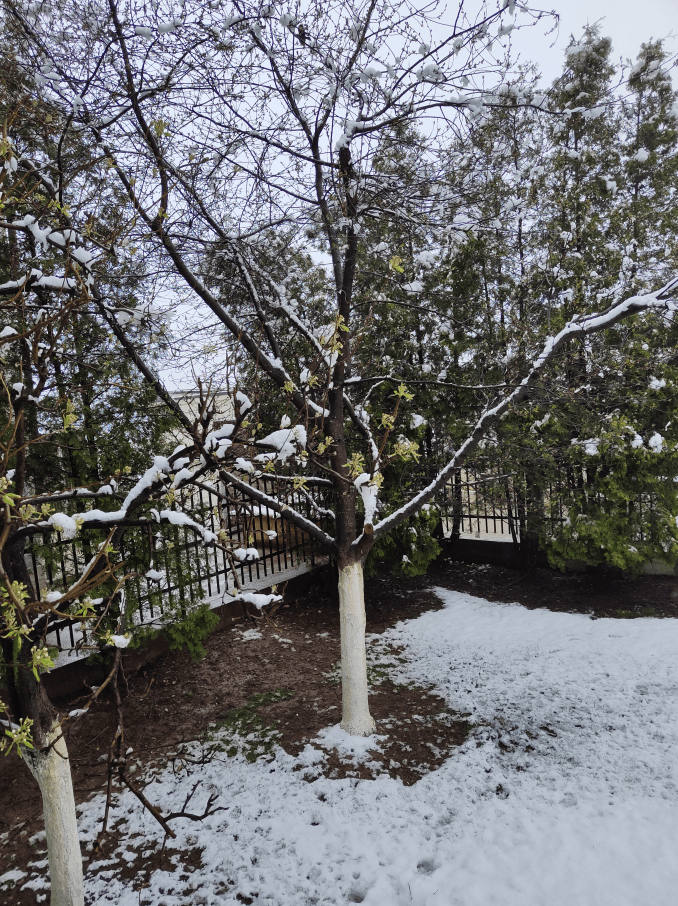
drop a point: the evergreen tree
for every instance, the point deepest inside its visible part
(623, 504)
(112, 419)
(596, 434)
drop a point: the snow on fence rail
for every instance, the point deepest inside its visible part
(495, 506)
(185, 571)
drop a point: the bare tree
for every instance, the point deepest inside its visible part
(224, 130)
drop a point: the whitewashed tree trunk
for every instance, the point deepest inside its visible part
(356, 718)
(52, 770)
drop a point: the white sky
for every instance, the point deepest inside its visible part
(628, 22)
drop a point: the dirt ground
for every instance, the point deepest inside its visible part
(603, 593)
(297, 650)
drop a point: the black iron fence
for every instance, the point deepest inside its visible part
(259, 548)
(509, 506)
(171, 569)
(475, 504)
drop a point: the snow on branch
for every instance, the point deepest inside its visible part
(663, 299)
(287, 512)
(257, 600)
(321, 511)
(48, 238)
(154, 478)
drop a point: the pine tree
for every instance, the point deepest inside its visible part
(596, 217)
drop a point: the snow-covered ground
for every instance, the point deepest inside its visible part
(565, 794)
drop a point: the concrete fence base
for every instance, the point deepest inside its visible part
(79, 675)
(505, 553)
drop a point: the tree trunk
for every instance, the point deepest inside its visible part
(356, 718)
(52, 770)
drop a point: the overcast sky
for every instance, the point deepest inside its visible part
(628, 22)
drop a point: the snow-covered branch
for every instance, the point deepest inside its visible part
(286, 512)
(663, 300)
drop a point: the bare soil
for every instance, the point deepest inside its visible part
(174, 700)
(598, 593)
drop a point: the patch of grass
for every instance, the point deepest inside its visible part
(381, 661)
(378, 672)
(634, 614)
(242, 731)
(334, 674)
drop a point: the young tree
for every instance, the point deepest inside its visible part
(223, 131)
(51, 288)
(224, 128)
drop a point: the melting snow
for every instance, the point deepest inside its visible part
(565, 792)
(356, 747)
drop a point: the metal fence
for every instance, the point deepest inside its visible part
(192, 572)
(504, 506)
(500, 506)
(480, 505)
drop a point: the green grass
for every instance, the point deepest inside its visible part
(634, 614)
(242, 731)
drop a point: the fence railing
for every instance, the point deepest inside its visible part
(186, 572)
(502, 505)
(498, 506)
(474, 504)
(506, 506)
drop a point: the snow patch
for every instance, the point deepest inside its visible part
(120, 641)
(656, 442)
(356, 747)
(64, 524)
